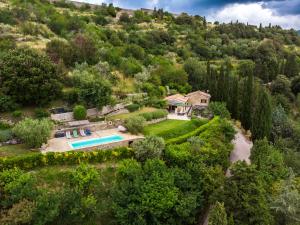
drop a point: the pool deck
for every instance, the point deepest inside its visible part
(62, 144)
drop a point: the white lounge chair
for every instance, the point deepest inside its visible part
(81, 131)
(68, 134)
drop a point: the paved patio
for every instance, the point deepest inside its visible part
(173, 116)
(62, 144)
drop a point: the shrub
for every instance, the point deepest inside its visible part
(31, 161)
(40, 113)
(17, 114)
(4, 125)
(219, 109)
(158, 114)
(135, 125)
(33, 132)
(5, 135)
(7, 103)
(79, 112)
(149, 148)
(133, 107)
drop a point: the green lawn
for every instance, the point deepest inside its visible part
(14, 150)
(173, 128)
(128, 115)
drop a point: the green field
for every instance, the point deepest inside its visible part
(128, 115)
(14, 150)
(173, 128)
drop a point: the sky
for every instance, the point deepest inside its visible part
(285, 13)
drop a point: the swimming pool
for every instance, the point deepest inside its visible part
(95, 141)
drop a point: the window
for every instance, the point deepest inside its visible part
(203, 101)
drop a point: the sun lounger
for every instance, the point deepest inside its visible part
(88, 132)
(81, 131)
(68, 135)
(75, 134)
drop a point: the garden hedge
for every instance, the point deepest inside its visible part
(35, 160)
(185, 137)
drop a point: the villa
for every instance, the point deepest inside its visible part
(184, 104)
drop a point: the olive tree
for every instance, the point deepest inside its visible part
(33, 132)
(149, 148)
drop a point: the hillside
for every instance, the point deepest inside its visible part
(62, 57)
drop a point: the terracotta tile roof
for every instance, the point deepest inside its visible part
(177, 98)
(201, 92)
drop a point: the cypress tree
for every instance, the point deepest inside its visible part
(233, 99)
(217, 215)
(247, 102)
(262, 117)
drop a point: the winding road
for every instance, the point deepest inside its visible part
(240, 152)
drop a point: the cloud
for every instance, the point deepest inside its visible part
(255, 13)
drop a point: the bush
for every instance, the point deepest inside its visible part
(135, 125)
(79, 112)
(7, 104)
(219, 109)
(4, 125)
(33, 132)
(158, 114)
(133, 107)
(41, 113)
(17, 114)
(34, 160)
(149, 148)
(5, 135)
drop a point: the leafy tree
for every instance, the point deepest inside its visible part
(295, 85)
(245, 197)
(149, 148)
(59, 50)
(28, 77)
(84, 49)
(281, 85)
(79, 112)
(33, 132)
(281, 126)
(217, 215)
(268, 160)
(154, 193)
(95, 93)
(7, 103)
(292, 66)
(219, 109)
(262, 117)
(135, 125)
(287, 203)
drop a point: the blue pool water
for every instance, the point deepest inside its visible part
(95, 141)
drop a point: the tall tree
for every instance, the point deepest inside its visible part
(217, 215)
(291, 68)
(244, 196)
(247, 102)
(262, 117)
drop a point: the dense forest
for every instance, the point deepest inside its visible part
(59, 52)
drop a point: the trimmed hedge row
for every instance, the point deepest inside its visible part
(196, 132)
(36, 160)
(158, 114)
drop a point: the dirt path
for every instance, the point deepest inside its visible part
(241, 152)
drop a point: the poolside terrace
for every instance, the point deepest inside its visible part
(63, 144)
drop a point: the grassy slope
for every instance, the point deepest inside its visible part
(136, 113)
(172, 128)
(14, 150)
